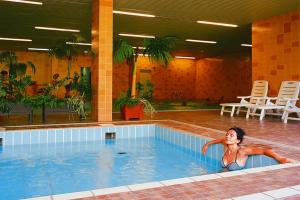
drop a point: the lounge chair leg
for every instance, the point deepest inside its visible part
(262, 114)
(222, 110)
(286, 116)
(248, 113)
(238, 110)
(283, 115)
(232, 111)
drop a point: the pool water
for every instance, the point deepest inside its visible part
(40, 170)
(46, 162)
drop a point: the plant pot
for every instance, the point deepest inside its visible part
(31, 90)
(132, 112)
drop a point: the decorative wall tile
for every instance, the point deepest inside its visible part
(281, 39)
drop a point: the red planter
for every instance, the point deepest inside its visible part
(132, 112)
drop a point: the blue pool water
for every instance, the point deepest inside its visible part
(40, 169)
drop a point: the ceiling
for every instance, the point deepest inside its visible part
(174, 17)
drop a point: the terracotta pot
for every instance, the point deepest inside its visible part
(31, 90)
(132, 112)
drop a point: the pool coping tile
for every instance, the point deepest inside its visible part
(112, 190)
(40, 198)
(74, 195)
(143, 186)
(205, 177)
(296, 187)
(257, 196)
(231, 173)
(177, 181)
(282, 193)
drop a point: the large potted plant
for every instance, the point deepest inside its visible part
(158, 50)
(13, 85)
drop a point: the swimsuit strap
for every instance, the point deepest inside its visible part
(236, 154)
(231, 162)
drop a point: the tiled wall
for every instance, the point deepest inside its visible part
(74, 134)
(276, 50)
(223, 78)
(214, 153)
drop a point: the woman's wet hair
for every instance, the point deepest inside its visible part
(240, 133)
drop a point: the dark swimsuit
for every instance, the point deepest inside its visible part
(233, 165)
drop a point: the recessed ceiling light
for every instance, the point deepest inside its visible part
(246, 45)
(201, 41)
(38, 49)
(28, 2)
(217, 23)
(16, 39)
(79, 43)
(185, 57)
(139, 47)
(132, 13)
(136, 35)
(56, 29)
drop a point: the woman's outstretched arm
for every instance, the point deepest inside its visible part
(252, 150)
(216, 141)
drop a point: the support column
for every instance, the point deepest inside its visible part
(102, 40)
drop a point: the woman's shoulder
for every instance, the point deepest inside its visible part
(245, 149)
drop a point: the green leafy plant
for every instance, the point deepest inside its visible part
(125, 99)
(76, 103)
(68, 49)
(158, 50)
(17, 69)
(145, 91)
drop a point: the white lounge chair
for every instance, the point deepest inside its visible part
(287, 98)
(291, 110)
(259, 89)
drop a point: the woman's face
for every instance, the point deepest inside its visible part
(231, 137)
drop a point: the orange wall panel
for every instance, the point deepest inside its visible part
(276, 50)
(223, 78)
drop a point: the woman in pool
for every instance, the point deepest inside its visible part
(235, 156)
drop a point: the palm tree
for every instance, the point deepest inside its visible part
(69, 49)
(157, 49)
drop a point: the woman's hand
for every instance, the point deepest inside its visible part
(286, 160)
(204, 149)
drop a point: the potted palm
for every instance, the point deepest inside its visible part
(158, 50)
(69, 49)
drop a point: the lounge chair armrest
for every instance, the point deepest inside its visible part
(258, 98)
(244, 97)
(271, 98)
(290, 99)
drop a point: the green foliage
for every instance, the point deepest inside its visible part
(158, 49)
(122, 51)
(77, 104)
(38, 101)
(10, 60)
(145, 91)
(126, 99)
(67, 49)
(85, 89)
